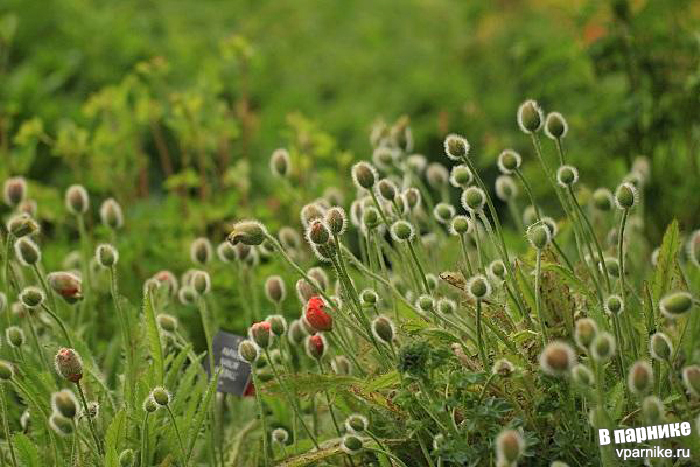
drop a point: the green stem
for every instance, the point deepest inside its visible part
(480, 337)
(126, 337)
(538, 305)
(418, 265)
(179, 438)
(61, 324)
(144, 441)
(92, 426)
(6, 425)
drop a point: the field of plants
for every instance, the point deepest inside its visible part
(416, 234)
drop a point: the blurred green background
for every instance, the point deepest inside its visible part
(173, 107)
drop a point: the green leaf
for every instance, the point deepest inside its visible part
(112, 439)
(153, 336)
(27, 452)
(204, 409)
(667, 262)
(385, 381)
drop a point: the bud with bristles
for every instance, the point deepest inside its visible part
(603, 347)
(261, 334)
(446, 306)
(318, 233)
(61, 425)
(473, 199)
(341, 365)
(201, 251)
(676, 304)
(370, 218)
(626, 196)
(641, 378)
(249, 233)
(557, 359)
(364, 175)
(437, 175)
(602, 199)
(456, 147)
(161, 395)
(126, 458)
(69, 364)
(201, 282)
(356, 423)
(614, 304)
(278, 324)
(149, 405)
(585, 331)
(7, 371)
(431, 279)
(567, 176)
(386, 189)
(296, 333)
(660, 347)
(425, 303)
(555, 126)
(67, 285)
(316, 346)
(319, 276)
(305, 290)
(509, 161)
(31, 296)
(15, 336)
(275, 289)
(336, 220)
(402, 231)
(416, 163)
(166, 322)
(249, 351)
(22, 225)
(77, 200)
(383, 329)
(368, 297)
(693, 248)
(461, 176)
(280, 436)
(65, 403)
(506, 189)
(27, 252)
(279, 162)
(187, 295)
(111, 214)
(412, 198)
(460, 225)
(530, 116)
(478, 287)
(503, 368)
(15, 190)
(497, 270)
(289, 238)
(539, 235)
(583, 376)
(509, 446)
(444, 212)
(653, 410)
(691, 379)
(107, 256)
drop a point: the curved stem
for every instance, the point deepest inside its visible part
(92, 426)
(6, 426)
(61, 324)
(177, 432)
(480, 336)
(418, 265)
(538, 305)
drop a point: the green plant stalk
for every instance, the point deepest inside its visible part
(479, 253)
(530, 195)
(600, 402)
(6, 425)
(538, 305)
(92, 426)
(480, 336)
(85, 247)
(465, 257)
(126, 337)
(35, 341)
(60, 322)
(144, 441)
(424, 450)
(6, 268)
(418, 265)
(515, 214)
(381, 211)
(201, 306)
(620, 258)
(179, 438)
(45, 287)
(328, 400)
(292, 400)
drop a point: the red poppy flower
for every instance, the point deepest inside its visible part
(316, 315)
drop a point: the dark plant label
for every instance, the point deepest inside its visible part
(234, 376)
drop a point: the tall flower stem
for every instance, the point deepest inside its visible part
(6, 426)
(6, 268)
(593, 236)
(538, 304)
(258, 399)
(418, 265)
(179, 437)
(621, 263)
(465, 256)
(202, 308)
(60, 323)
(92, 426)
(144, 441)
(480, 336)
(126, 337)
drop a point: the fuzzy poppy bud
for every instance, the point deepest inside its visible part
(61, 425)
(187, 295)
(456, 147)
(249, 351)
(336, 220)
(509, 445)
(473, 199)
(289, 238)
(555, 126)
(539, 236)
(614, 304)
(351, 444)
(280, 436)
(275, 289)
(402, 231)
(201, 251)
(77, 200)
(27, 252)
(364, 175)
(249, 233)
(383, 329)
(31, 297)
(557, 358)
(506, 189)
(386, 189)
(279, 162)
(503, 368)
(460, 225)
(316, 346)
(369, 297)
(412, 197)
(585, 330)
(437, 175)
(167, 278)
(530, 117)
(319, 276)
(149, 405)
(446, 306)
(15, 336)
(660, 347)
(461, 176)
(318, 233)
(341, 365)
(583, 376)
(278, 324)
(69, 364)
(478, 287)
(161, 395)
(64, 403)
(567, 176)
(22, 225)
(691, 379)
(107, 256)
(626, 196)
(653, 409)
(602, 199)
(356, 423)
(676, 304)
(201, 282)
(126, 458)
(111, 214)
(6, 370)
(509, 161)
(426, 303)
(296, 332)
(497, 269)
(261, 334)
(316, 315)
(603, 347)
(166, 322)
(612, 265)
(15, 190)
(67, 285)
(641, 378)
(444, 212)
(370, 218)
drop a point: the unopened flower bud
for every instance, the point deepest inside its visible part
(478, 287)
(555, 126)
(187, 295)
(461, 176)
(318, 233)
(126, 458)
(111, 214)
(249, 233)
(7, 371)
(437, 175)
(402, 231)
(603, 347)
(15, 190)
(275, 289)
(456, 147)
(77, 200)
(351, 444)
(21, 225)
(31, 296)
(201, 282)
(585, 330)
(201, 251)
(676, 304)
(557, 359)
(506, 189)
(280, 436)
(296, 333)
(567, 176)
(602, 199)
(248, 351)
(149, 405)
(61, 425)
(460, 225)
(660, 347)
(503, 368)
(370, 218)
(412, 197)
(278, 324)
(27, 252)
(446, 306)
(626, 196)
(614, 305)
(107, 255)
(161, 395)
(364, 175)
(641, 378)
(386, 189)
(539, 236)
(583, 376)
(279, 162)
(65, 403)
(67, 285)
(509, 445)
(444, 212)
(261, 334)
(69, 364)
(473, 199)
(691, 379)
(426, 303)
(316, 346)
(497, 270)
(166, 322)
(336, 220)
(341, 365)
(530, 117)
(383, 329)
(15, 336)
(356, 423)
(509, 161)
(653, 410)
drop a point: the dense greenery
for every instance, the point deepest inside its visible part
(451, 310)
